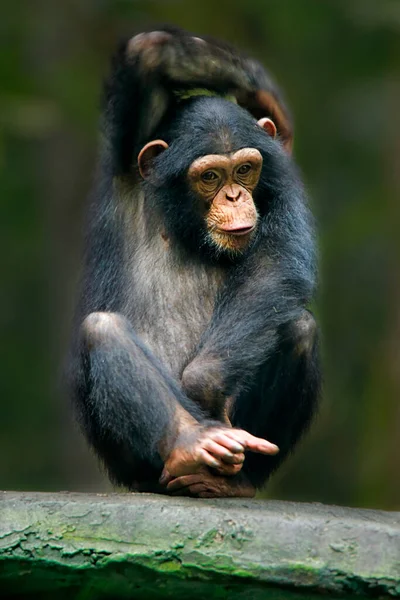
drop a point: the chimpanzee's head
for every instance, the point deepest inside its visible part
(206, 170)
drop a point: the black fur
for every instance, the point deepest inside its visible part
(159, 323)
(134, 102)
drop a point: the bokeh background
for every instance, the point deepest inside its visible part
(339, 63)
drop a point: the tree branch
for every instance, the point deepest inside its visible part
(146, 546)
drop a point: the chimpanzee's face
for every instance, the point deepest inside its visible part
(206, 174)
(224, 185)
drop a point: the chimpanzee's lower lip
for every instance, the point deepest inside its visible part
(239, 230)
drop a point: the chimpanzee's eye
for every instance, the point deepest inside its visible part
(209, 176)
(244, 169)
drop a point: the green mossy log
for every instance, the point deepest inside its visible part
(145, 546)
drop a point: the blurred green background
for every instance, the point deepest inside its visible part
(338, 62)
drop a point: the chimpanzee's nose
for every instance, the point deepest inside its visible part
(233, 193)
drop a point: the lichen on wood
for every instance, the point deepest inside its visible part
(153, 547)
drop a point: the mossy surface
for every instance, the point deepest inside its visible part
(151, 547)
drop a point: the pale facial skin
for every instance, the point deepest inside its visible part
(225, 184)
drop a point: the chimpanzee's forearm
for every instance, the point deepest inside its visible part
(242, 335)
(149, 73)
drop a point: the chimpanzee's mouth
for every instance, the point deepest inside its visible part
(239, 230)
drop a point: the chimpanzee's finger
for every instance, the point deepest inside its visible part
(222, 452)
(222, 438)
(208, 459)
(229, 469)
(253, 443)
(165, 477)
(183, 482)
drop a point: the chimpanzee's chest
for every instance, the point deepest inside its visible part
(172, 303)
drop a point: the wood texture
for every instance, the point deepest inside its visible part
(146, 546)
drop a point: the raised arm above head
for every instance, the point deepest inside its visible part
(151, 72)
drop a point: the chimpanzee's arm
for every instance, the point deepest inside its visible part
(151, 68)
(272, 287)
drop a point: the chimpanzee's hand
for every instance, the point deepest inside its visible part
(221, 448)
(170, 63)
(184, 59)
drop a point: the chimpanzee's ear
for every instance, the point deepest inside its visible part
(268, 125)
(263, 102)
(147, 154)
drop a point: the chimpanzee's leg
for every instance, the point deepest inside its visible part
(279, 408)
(284, 398)
(134, 413)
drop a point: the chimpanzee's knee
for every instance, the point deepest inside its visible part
(303, 333)
(99, 327)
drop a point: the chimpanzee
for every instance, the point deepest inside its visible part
(193, 344)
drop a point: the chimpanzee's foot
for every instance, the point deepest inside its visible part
(206, 485)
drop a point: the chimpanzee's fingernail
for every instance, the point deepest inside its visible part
(164, 477)
(237, 447)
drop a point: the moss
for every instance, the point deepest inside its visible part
(124, 578)
(149, 547)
